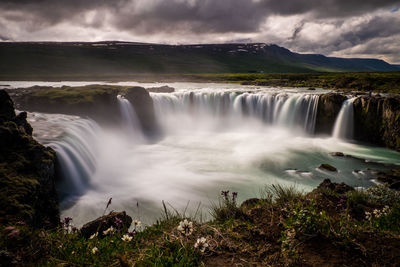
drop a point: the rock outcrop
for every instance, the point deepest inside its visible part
(27, 175)
(98, 102)
(120, 221)
(143, 104)
(95, 101)
(335, 187)
(377, 120)
(327, 167)
(391, 177)
(328, 108)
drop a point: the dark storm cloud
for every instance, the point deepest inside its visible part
(197, 16)
(326, 8)
(377, 27)
(44, 13)
(198, 21)
(194, 15)
(297, 30)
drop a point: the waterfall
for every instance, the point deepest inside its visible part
(344, 124)
(76, 154)
(130, 121)
(286, 110)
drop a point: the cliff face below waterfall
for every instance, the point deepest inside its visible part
(377, 120)
(27, 172)
(328, 109)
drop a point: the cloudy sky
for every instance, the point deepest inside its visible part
(346, 28)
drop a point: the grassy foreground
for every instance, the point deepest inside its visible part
(332, 225)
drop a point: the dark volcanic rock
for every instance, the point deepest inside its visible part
(377, 120)
(143, 104)
(27, 176)
(104, 222)
(337, 154)
(328, 108)
(391, 177)
(327, 167)
(335, 187)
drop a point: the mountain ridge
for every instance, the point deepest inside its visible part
(24, 59)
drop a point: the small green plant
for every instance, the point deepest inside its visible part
(282, 195)
(383, 195)
(385, 218)
(226, 208)
(308, 221)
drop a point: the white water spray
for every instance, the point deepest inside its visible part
(344, 124)
(288, 111)
(130, 121)
(76, 153)
(214, 140)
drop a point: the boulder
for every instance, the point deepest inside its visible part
(327, 167)
(337, 154)
(120, 221)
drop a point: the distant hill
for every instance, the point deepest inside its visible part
(52, 59)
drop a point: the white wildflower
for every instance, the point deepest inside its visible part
(201, 244)
(368, 215)
(94, 235)
(126, 238)
(137, 223)
(185, 227)
(95, 250)
(109, 231)
(386, 210)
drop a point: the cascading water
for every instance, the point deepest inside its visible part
(292, 111)
(130, 121)
(344, 124)
(76, 153)
(214, 139)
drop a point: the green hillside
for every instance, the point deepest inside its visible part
(111, 59)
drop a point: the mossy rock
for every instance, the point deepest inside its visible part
(27, 175)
